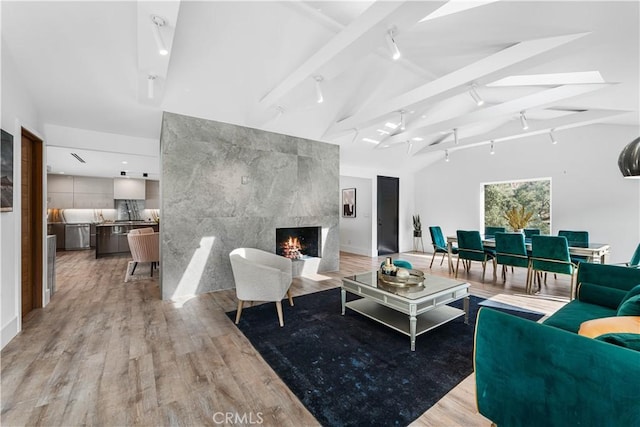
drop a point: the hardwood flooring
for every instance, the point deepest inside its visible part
(109, 353)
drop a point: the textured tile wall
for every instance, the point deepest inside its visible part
(207, 211)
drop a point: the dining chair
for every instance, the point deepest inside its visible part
(511, 251)
(528, 232)
(635, 260)
(439, 244)
(470, 248)
(489, 232)
(145, 247)
(578, 239)
(550, 254)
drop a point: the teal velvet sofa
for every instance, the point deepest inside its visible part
(532, 374)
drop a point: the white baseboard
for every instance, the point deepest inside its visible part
(9, 331)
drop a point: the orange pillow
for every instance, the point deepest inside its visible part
(618, 324)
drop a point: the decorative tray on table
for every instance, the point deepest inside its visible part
(416, 278)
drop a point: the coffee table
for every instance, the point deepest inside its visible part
(411, 310)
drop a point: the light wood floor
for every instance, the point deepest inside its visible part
(110, 353)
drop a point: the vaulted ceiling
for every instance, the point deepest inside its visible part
(562, 63)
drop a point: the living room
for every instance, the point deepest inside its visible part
(441, 160)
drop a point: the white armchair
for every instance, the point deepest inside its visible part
(261, 276)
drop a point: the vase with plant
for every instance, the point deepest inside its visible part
(417, 226)
(518, 218)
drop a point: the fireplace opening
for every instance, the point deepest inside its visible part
(298, 242)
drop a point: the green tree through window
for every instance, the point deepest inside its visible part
(535, 196)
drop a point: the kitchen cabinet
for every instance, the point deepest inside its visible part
(152, 200)
(112, 238)
(79, 192)
(128, 189)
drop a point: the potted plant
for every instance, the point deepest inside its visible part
(518, 218)
(417, 226)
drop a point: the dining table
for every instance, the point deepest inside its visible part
(595, 252)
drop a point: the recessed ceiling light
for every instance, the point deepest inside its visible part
(373, 141)
(384, 132)
(124, 162)
(391, 125)
(417, 138)
(61, 173)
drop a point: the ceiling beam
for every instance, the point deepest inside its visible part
(451, 83)
(150, 62)
(357, 39)
(509, 108)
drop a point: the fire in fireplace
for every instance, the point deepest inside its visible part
(298, 242)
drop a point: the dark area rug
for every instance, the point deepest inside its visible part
(352, 371)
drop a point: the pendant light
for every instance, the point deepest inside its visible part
(629, 160)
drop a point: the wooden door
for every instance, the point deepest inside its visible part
(31, 197)
(388, 198)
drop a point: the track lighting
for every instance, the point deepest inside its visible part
(409, 147)
(553, 139)
(476, 97)
(319, 97)
(393, 47)
(157, 23)
(151, 85)
(492, 152)
(523, 121)
(403, 125)
(355, 135)
(446, 155)
(455, 136)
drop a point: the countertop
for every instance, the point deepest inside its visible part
(113, 224)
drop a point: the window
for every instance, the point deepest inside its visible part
(533, 195)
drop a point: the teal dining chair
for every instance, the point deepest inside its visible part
(511, 251)
(490, 232)
(528, 232)
(470, 248)
(439, 244)
(635, 260)
(578, 239)
(550, 254)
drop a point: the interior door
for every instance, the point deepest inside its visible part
(388, 198)
(31, 211)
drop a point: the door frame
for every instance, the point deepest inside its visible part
(38, 212)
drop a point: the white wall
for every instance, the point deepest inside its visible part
(587, 188)
(18, 110)
(406, 204)
(355, 233)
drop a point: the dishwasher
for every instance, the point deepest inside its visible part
(76, 237)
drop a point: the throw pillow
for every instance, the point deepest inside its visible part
(631, 341)
(623, 324)
(630, 307)
(633, 292)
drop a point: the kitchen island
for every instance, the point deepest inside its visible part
(111, 237)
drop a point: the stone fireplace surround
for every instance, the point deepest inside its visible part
(226, 186)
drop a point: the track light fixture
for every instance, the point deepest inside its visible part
(476, 97)
(391, 43)
(455, 136)
(446, 155)
(553, 139)
(157, 23)
(523, 121)
(355, 135)
(319, 97)
(151, 79)
(492, 152)
(409, 147)
(403, 124)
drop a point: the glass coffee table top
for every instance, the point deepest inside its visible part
(429, 286)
